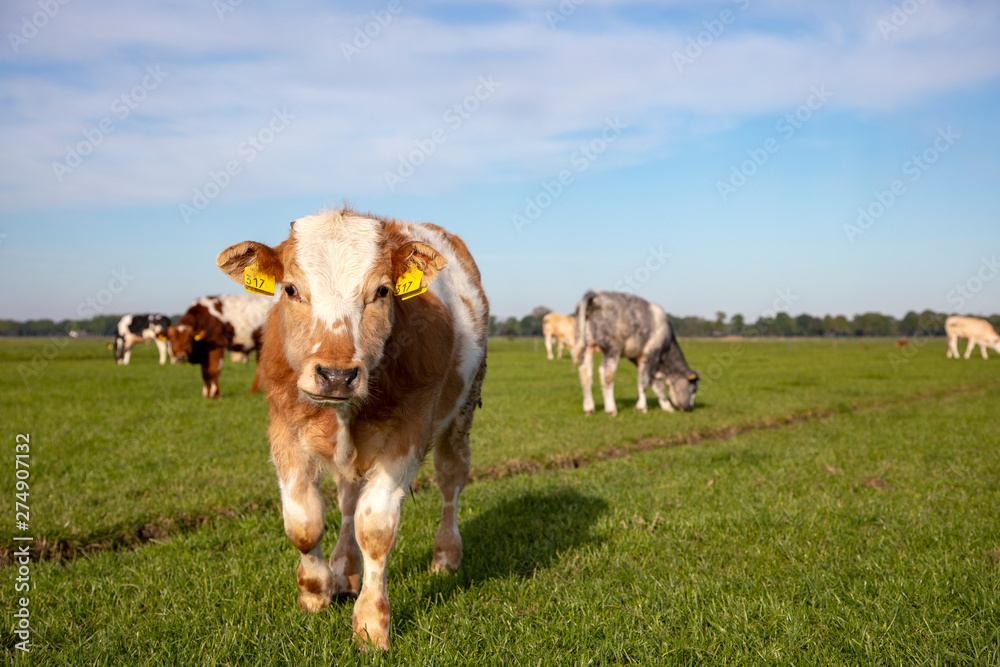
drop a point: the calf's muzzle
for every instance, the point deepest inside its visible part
(337, 383)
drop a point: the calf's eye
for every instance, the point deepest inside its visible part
(382, 292)
(291, 291)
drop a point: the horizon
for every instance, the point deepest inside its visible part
(837, 158)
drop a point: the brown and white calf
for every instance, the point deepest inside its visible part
(363, 382)
(214, 324)
(978, 331)
(558, 328)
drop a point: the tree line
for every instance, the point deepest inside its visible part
(100, 325)
(926, 323)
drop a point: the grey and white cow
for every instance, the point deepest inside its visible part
(143, 328)
(620, 325)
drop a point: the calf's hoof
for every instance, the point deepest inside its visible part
(313, 602)
(371, 636)
(314, 594)
(444, 563)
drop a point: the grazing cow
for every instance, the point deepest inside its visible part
(214, 324)
(364, 382)
(978, 331)
(557, 327)
(134, 329)
(624, 325)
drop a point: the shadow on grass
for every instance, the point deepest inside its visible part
(513, 538)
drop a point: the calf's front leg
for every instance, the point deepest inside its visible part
(210, 371)
(302, 510)
(345, 561)
(642, 366)
(661, 396)
(376, 524)
(161, 347)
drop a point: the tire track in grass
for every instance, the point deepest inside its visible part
(517, 467)
(66, 550)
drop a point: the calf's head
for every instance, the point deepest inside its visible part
(182, 338)
(337, 272)
(682, 389)
(682, 382)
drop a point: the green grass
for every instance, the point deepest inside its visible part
(866, 534)
(120, 452)
(867, 538)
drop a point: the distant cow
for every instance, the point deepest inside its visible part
(978, 331)
(624, 325)
(363, 382)
(144, 328)
(559, 328)
(214, 324)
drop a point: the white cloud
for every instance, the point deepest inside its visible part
(354, 119)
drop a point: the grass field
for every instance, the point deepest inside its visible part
(838, 505)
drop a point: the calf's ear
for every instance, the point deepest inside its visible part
(234, 259)
(419, 255)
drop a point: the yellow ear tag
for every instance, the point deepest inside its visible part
(692, 377)
(257, 282)
(199, 336)
(408, 284)
(161, 337)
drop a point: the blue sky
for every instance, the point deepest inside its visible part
(713, 155)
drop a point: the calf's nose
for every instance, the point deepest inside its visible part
(337, 382)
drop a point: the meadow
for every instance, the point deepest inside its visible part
(827, 502)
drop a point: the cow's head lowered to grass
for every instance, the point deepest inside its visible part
(337, 272)
(672, 368)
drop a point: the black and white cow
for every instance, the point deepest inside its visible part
(625, 325)
(134, 329)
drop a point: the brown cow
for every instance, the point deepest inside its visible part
(364, 383)
(214, 324)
